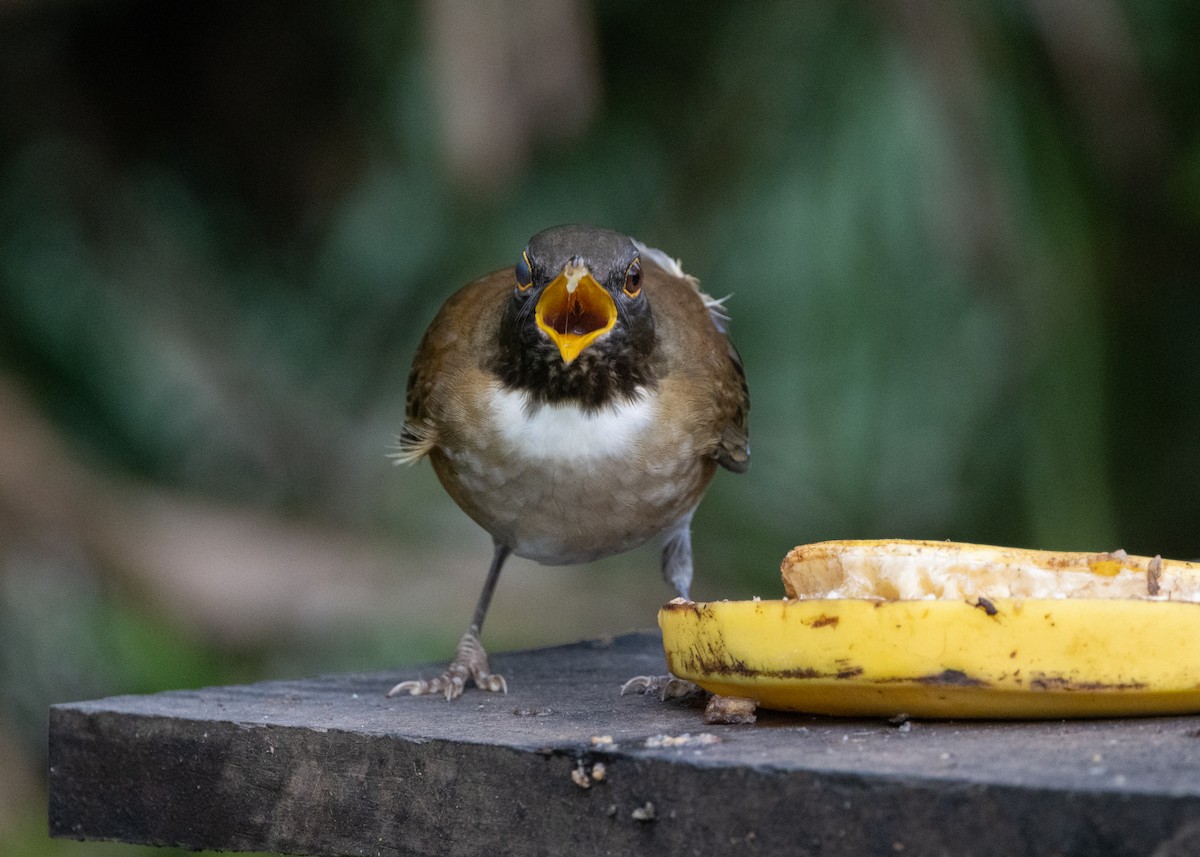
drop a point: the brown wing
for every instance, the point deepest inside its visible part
(733, 450)
(696, 348)
(452, 347)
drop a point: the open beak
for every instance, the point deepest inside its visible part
(575, 310)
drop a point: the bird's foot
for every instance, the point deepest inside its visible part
(667, 686)
(470, 662)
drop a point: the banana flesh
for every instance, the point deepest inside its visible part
(906, 569)
(936, 629)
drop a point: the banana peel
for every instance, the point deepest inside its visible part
(946, 630)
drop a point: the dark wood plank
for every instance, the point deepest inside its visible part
(329, 766)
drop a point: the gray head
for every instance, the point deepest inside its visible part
(579, 326)
(606, 254)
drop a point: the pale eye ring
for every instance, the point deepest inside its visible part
(524, 272)
(633, 279)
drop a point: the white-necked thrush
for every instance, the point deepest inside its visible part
(575, 406)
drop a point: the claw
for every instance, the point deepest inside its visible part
(667, 686)
(451, 683)
(493, 682)
(470, 661)
(639, 684)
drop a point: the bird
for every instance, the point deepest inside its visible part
(575, 406)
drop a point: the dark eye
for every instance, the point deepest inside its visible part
(524, 273)
(633, 279)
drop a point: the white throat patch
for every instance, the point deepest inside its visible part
(564, 432)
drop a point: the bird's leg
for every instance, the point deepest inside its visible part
(470, 659)
(677, 557)
(677, 571)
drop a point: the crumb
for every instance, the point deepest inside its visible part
(645, 812)
(730, 710)
(685, 740)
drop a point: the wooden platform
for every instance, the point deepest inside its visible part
(564, 765)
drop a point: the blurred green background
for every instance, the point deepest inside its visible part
(962, 243)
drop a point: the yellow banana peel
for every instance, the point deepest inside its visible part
(938, 629)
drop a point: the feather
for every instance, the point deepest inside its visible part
(416, 441)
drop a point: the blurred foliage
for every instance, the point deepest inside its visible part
(962, 244)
